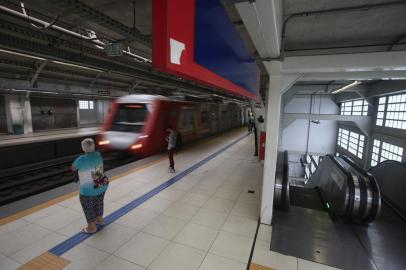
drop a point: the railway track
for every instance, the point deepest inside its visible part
(27, 180)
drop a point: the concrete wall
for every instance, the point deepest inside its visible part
(95, 116)
(3, 118)
(302, 135)
(53, 113)
(14, 111)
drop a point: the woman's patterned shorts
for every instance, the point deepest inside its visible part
(92, 206)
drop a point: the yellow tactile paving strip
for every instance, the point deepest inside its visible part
(254, 266)
(46, 261)
(49, 203)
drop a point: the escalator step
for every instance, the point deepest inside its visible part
(306, 198)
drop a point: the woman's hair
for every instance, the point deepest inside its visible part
(88, 145)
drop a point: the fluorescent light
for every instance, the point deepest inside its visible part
(346, 87)
(34, 91)
(23, 55)
(74, 65)
(21, 90)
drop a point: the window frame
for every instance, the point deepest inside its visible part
(347, 107)
(86, 104)
(391, 111)
(379, 147)
(352, 142)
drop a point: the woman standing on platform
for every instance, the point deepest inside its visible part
(93, 184)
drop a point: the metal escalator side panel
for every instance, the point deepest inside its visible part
(390, 176)
(332, 180)
(358, 196)
(281, 189)
(372, 192)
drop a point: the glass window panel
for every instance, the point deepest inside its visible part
(83, 104)
(382, 100)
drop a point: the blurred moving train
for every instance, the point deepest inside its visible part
(137, 123)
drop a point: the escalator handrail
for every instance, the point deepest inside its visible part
(285, 181)
(400, 212)
(376, 192)
(402, 164)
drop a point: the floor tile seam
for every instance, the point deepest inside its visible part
(108, 252)
(9, 257)
(173, 242)
(188, 221)
(29, 243)
(217, 235)
(221, 256)
(160, 252)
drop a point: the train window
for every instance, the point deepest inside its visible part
(382, 151)
(188, 120)
(129, 118)
(205, 119)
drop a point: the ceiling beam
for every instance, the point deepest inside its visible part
(102, 19)
(39, 66)
(356, 62)
(263, 20)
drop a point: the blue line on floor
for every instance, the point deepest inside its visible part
(80, 237)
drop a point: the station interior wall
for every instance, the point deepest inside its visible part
(95, 116)
(53, 113)
(3, 118)
(302, 134)
(46, 113)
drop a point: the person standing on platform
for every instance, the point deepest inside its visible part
(171, 139)
(93, 184)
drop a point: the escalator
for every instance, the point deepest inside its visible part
(342, 215)
(338, 186)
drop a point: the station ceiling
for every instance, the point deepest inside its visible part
(379, 28)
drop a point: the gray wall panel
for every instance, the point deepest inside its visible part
(3, 118)
(53, 113)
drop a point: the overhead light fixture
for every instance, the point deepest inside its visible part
(75, 65)
(346, 87)
(23, 55)
(34, 91)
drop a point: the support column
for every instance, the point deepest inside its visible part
(278, 84)
(27, 115)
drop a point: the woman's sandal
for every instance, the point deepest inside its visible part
(85, 230)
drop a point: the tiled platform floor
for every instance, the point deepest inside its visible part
(206, 221)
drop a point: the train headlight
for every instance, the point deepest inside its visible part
(136, 146)
(104, 142)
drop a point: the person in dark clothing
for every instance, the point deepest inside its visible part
(256, 139)
(171, 139)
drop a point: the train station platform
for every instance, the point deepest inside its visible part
(47, 135)
(203, 217)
